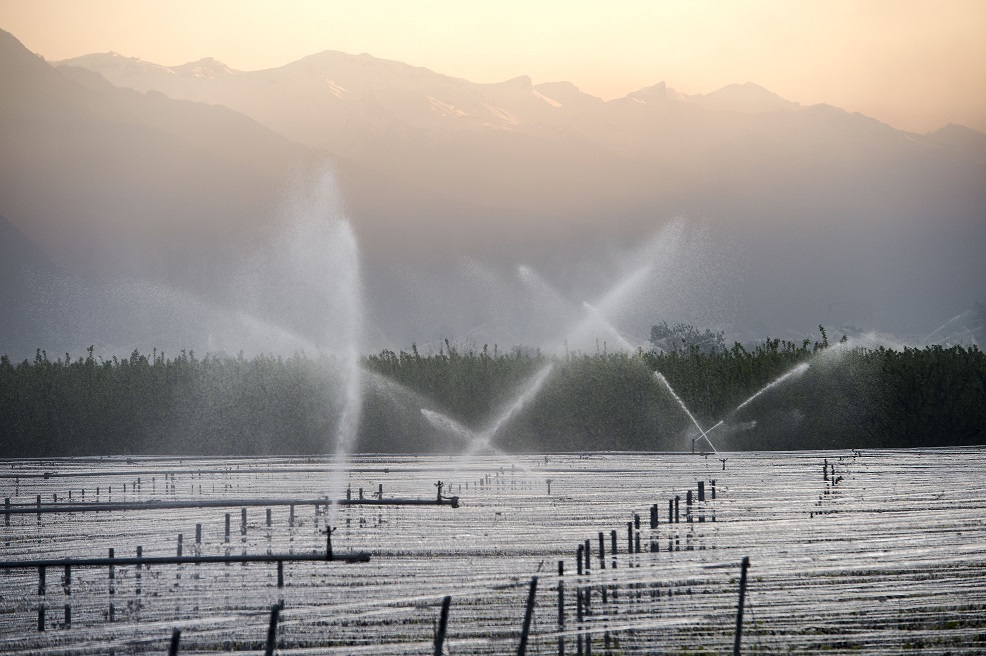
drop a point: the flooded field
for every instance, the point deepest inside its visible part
(871, 552)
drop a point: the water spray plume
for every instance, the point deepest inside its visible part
(525, 397)
(797, 371)
(677, 398)
(941, 327)
(598, 316)
(484, 440)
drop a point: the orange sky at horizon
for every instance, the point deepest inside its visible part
(914, 64)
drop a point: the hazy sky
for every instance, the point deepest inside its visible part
(915, 64)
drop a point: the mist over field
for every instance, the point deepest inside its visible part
(191, 207)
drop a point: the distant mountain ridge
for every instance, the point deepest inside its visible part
(809, 210)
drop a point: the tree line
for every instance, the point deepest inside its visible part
(829, 396)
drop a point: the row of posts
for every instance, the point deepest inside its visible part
(583, 560)
(67, 582)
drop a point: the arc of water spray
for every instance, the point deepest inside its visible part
(941, 327)
(796, 371)
(484, 439)
(598, 316)
(705, 434)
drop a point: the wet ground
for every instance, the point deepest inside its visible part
(878, 552)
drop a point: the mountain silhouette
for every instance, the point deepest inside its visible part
(798, 214)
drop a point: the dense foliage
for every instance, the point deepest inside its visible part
(845, 398)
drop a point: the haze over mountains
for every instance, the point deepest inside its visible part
(793, 215)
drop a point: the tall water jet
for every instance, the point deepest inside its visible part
(684, 407)
(308, 280)
(352, 402)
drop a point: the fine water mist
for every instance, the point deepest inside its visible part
(306, 280)
(684, 407)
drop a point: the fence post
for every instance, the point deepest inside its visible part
(442, 621)
(739, 607)
(561, 608)
(175, 640)
(275, 611)
(528, 614)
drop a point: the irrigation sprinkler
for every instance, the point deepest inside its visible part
(328, 541)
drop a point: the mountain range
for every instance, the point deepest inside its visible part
(793, 215)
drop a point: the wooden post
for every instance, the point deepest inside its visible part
(243, 522)
(41, 580)
(688, 506)
(68, 616)
(180, 539)
(442, 619)
(739, 607)
(227, 527)
(528, 615)
(561, 608)
(653, 516)
(68, 579)
(140, 554)
(701, 490)
(6, 511)
(587, 553)
(175, 641)
(41, 617)
(670, 511)
(602, 551)
(612, 545)
(825, 470)
(39, 507)
(677, 499)
(629, 537)
(268, 518)
(578, 559)
(713, 482)
(112, 572)
(280, 573)
(291, 512)
(579, 614)
(198, 534)
(275, 612)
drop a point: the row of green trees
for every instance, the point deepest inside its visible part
(844, 398)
